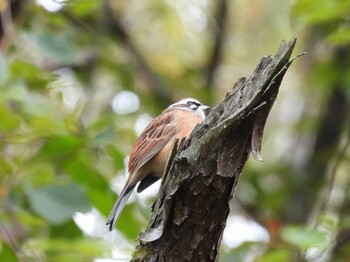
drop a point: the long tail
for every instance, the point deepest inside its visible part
(118, 207)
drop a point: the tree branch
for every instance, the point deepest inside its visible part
(9, 17)
(332, 122)
(219, 34)
(160, 91)
(189, 215)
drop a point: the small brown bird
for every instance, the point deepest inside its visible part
(149, 154)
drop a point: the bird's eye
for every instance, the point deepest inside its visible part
(193, 105)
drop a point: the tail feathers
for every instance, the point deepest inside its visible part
(118, 207)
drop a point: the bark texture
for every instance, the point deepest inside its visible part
(189, 215)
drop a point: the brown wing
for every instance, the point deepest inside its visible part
(157, 134)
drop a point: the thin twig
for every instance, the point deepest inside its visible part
(219, 32)
(321, 206)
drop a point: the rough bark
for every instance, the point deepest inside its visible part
(189, 215)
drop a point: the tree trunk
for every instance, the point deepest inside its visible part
(189, 215)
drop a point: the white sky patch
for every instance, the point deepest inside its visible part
(106, 260)
(93, 224)
(150, 191)
(142, 122)
(51, 5)
(125, 102)
(192, 13)
(72, 91)
(87, 221)
(118, 182)
(240, 230)
(195, 17)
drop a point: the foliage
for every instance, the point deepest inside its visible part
(62, 146)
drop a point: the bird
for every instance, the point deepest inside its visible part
(150, 152)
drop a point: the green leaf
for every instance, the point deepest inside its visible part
(57, 203)
(340, 37)
(45, 125)
(31, 221)
(275, 255)
(84, 8)
(9, 120)
(57, 50)
(68, 230)
(5, 170)
(17, 93)
(60, 148)
(59, 249)
(83, 171)
(320, 11)
(129, 221)
(6, 254)
(117, 156)
(34, 76)
(241, 252)
(303, 237)
(41, 174)
(102, 200)
(103, 138)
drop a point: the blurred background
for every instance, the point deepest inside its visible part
(80, 79)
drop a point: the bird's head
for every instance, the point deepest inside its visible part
(192, 105)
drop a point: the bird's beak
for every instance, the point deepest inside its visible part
(206, 109)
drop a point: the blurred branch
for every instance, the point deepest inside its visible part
(343, 236)
(11, 231)
(77, 22)
(8, 236)
(326, 192)
(157, 87)
(6, 25)
(219, 34)
(324, 204)
(159, 90)
(12, 10)
(328, 135)
(342, 239)
(85, 62)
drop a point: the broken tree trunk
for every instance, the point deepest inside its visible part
(189, 215)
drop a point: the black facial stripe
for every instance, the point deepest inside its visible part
(193, 104)
(190, 104)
